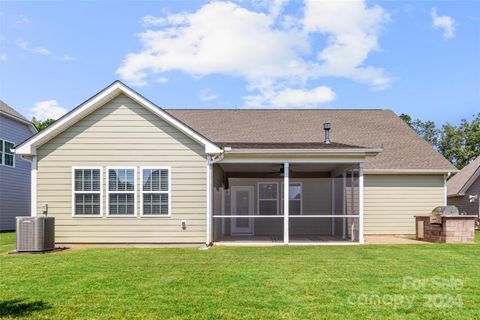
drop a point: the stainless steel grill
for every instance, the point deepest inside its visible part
(439, 212)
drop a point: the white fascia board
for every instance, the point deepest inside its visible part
(408, 171)
(101, 98)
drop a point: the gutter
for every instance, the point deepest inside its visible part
(410, 171)
(369, 151)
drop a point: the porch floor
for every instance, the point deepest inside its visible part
(275, 240)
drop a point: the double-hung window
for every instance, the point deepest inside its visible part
(121, 191)
(155, 191)
(7, 157)
(295, 206)
(295, 199)
(268, 198)
(87, 186)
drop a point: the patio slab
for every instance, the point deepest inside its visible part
(392, 239)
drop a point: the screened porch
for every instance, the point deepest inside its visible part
(249, 203)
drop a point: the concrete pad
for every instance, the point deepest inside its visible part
(392, 239)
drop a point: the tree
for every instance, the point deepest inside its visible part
(459, 144)
(427, 130)
(40, 125)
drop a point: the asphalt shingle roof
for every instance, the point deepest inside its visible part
(7, 109)
(374, 128)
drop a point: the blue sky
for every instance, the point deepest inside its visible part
(420, 58)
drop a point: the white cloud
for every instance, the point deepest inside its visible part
(271, 51)
(161, 80)
(21, 19)
(446, 23)
(48, 109)
(207, 95)
(353, 30)
(24, 45)
(291, 98)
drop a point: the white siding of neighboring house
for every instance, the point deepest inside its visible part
(14, 181)
(123, 133)
(392, 201)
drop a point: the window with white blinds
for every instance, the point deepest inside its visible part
(121, 191)
(87, 191)
(156, 191)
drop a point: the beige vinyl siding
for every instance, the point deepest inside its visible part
(123, 133)
(392, 201)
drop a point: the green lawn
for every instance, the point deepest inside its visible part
(329, 282)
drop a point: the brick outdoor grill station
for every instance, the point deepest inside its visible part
(452, 229)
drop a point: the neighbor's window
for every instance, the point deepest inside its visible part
(7, 157)
(87, 193)
(121, 192)
(155, 191)
(267, 198)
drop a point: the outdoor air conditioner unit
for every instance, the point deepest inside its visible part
(35, 234)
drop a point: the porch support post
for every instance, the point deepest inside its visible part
(33, 187)
(286, 189)
(209, 201)
(360, 204)
(344, 209)
(332, 177)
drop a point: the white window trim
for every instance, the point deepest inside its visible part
(169, 192)
(301, 196)
(75, 192)
(108, 192)
(276, 199)
(3, 153)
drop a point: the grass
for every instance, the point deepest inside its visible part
(355, 282)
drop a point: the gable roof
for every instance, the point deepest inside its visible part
(13, 114)
(459, 183)
(403, 149)
(29, 146)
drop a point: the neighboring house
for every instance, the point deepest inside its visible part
(14, 171)
(119, 169)
(464, 189)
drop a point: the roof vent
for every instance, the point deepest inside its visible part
(326, 127)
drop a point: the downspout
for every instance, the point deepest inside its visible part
(33, 183)
(445, 178)
(211, 160)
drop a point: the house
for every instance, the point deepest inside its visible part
(14, 171)
(119, 169)
(464, 189)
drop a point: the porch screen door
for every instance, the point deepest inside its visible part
(242, 205)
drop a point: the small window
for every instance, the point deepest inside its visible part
(294, 199)
(7, 157)
(267, 198)
(87, 192)
(121, 192)
(156, 191)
